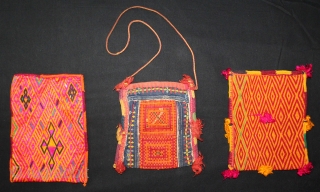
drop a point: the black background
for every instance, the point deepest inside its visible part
(52, 37)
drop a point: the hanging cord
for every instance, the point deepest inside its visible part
(160, 45)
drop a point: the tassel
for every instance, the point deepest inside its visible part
(226, 73)
(307, 68)
(227, 128)
(266, 118)
(265, 170)
(119, 167)
(308, 123)
(198, 165)
(196, 127)
(230, 174)
(186, 79)
(306, 169)
(119, 133)
(124, 83)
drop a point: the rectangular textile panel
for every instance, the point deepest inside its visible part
(267, 123)
(48, 129)
(158, 128)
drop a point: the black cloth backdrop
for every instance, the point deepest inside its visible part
(52, 37)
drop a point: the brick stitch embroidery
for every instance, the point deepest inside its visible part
(159, 128)
(267, 124)
(48, 129)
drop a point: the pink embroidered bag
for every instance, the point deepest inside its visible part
(48, 129)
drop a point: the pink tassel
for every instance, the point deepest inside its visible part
(188, 81)
(124, 83)
(198, 165)
(119, 167)
(266, 118)
(196, 127)
(307, 68)
(231, 174)
(226, 73)
(306, 169)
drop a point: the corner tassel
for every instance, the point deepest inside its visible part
(306, 169)
(307, 68)
(308, 123)
(226, 73)
(124, 83)
(119, 167)
(188, 81)
(198, 165)
(196, 127)
(265, 170)
(230, 174)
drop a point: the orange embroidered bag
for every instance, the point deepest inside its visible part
(159, 129)
(48, 129)
(267, 124)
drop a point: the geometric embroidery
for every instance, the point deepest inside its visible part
(49, 140)
(72, 92)
(51, 146)
(158, 134)
(156, 126)
(279, 142)
(25, 98)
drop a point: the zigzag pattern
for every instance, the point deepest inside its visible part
(49, 136)
(279, 144)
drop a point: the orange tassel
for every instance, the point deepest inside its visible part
(198, 165)
(308, 123)
(119, 167)
(196, 127)
(124, 83)
(188, 81)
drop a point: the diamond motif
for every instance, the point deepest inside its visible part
(72, 92)
(25, 98)
(51, 146)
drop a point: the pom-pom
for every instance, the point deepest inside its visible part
(196, 127)
(266, 118)
(306, 169)
(265, 170)
(226, 73)
(230, 174)
(308, 123)
(307, 68)
(198, 165)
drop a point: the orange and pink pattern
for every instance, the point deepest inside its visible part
(266, 120)
(48, 129)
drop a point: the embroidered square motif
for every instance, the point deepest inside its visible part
(267, 124)
(48, 129)
(156, 128)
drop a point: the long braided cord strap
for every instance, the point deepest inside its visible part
(129, 79)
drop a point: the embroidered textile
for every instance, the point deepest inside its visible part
(48, 129)
(267, 115)
(155, 132)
